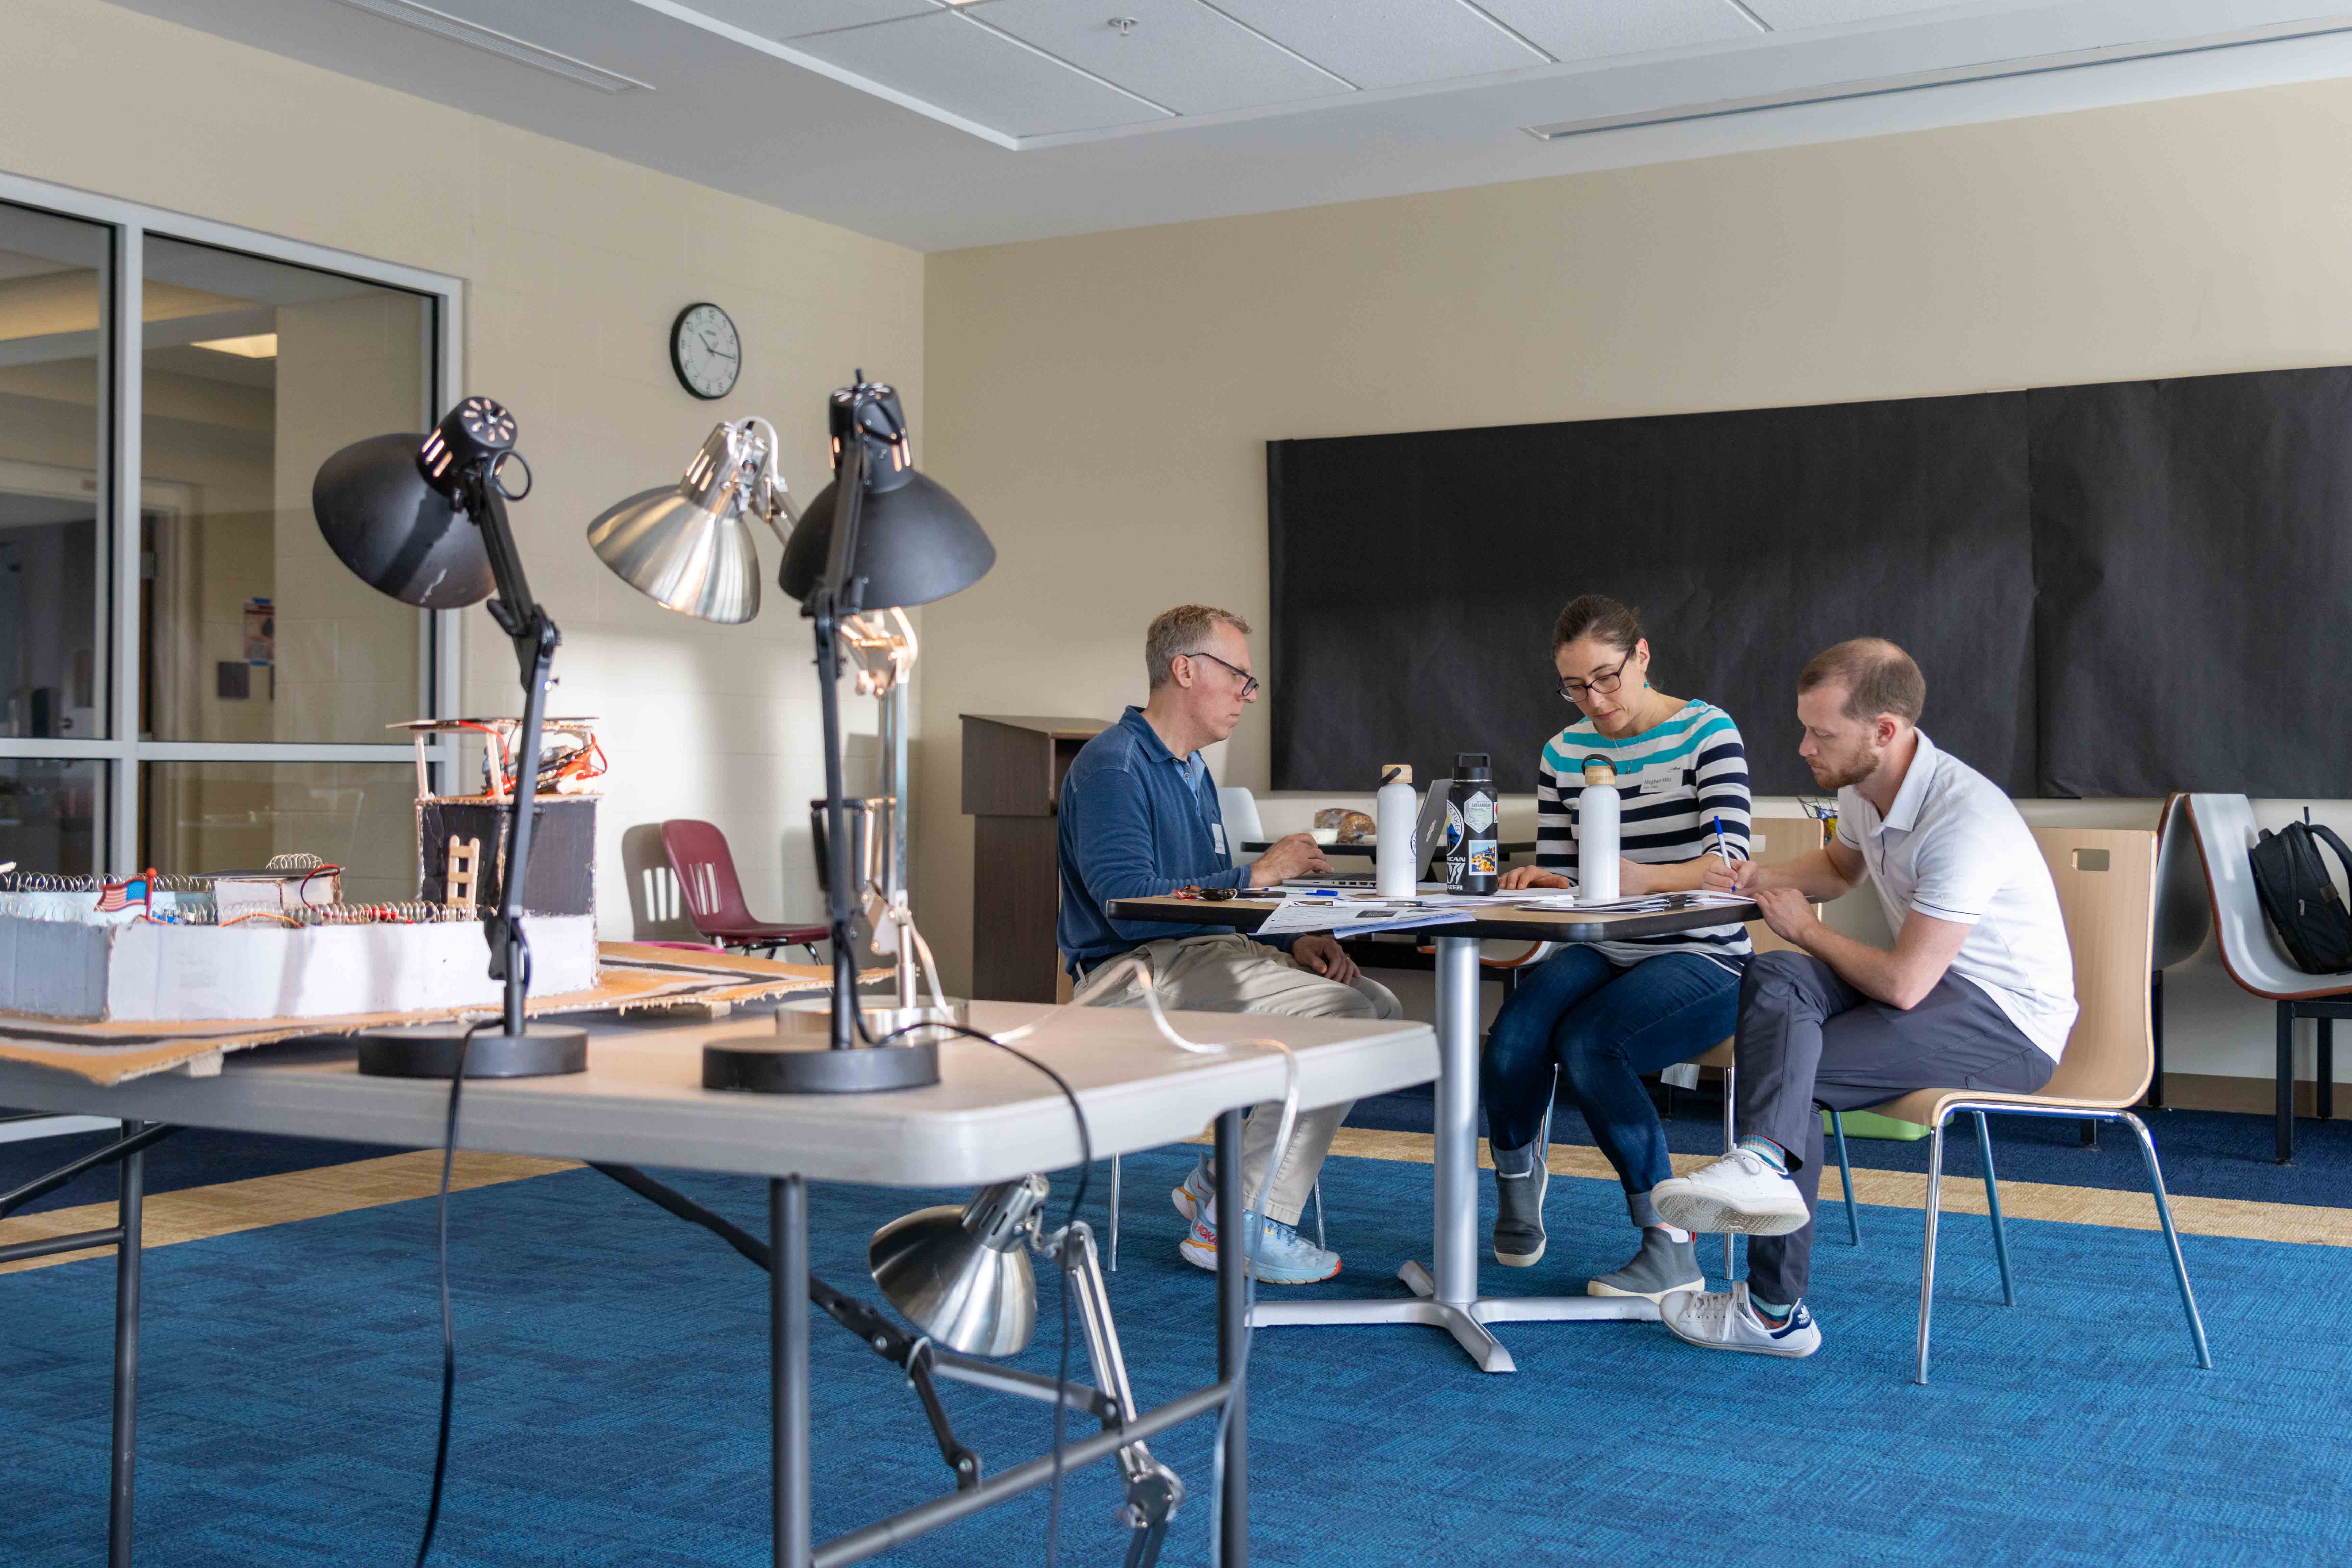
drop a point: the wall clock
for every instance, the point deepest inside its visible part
(705, 351)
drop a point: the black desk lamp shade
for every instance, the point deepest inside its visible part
(398, 534)
(915, 543)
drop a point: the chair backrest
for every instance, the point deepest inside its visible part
(706, 874)
(2225, 830)
(1775, 841)
(2105, 879)
(2184, 913)
(1238, 806)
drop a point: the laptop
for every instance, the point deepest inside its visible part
(1428, 837)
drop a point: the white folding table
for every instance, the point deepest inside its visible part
(992, 1118)
(1445, 1291)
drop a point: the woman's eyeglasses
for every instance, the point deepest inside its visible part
(1576, 691)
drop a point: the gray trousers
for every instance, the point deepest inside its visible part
(1807, 1040)
(1235, 974)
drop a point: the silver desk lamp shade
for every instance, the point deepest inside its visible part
(962, 1274)
(688, 546)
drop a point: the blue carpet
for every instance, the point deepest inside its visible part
(612, 1406)
(2209, 1153)
(192, 1157)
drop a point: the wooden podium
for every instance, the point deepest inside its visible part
(1012, 770)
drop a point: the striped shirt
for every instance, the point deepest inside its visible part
(1673, 783)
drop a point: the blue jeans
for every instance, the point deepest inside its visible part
(1603, 1027)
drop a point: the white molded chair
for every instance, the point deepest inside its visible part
(2184, 919)
(2224, 831)
(1239, 809)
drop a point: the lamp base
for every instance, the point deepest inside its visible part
(805, 1066)
(430, 1050)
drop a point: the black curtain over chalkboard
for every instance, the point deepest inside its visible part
(2120, 589)
(1416, 577)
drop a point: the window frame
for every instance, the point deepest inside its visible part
(123, 752)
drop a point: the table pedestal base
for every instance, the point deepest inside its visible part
(1465, 1320)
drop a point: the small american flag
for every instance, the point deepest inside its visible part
(122, 895)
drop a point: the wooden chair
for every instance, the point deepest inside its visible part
(2106, 890)
(2225, 830)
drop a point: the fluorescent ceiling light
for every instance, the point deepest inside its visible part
(1991, 70)
(261, 345)
(522, 51)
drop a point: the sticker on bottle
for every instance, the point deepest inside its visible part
(1482, 860)
(1479, 810)
(1455, 866)
(1453, 829)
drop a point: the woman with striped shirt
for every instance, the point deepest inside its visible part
(1604, 1013)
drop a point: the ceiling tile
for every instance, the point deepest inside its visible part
(793, 18)
(1596, 29)
(1180, 53)
(959, 65)
(1782, 15)
(1388, 42)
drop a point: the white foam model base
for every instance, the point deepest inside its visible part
(152, 972)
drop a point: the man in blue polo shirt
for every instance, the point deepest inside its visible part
(1140, 818)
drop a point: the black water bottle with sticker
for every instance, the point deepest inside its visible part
(1472, 826)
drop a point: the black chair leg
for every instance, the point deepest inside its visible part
(2090, 1133)
(2286, 1083)
(2156, 1037)
(2326, 1076)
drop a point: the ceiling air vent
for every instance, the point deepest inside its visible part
(504, 45)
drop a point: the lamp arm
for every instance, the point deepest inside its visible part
(535, 639)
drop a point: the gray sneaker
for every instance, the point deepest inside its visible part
(1659, 1270)
(1521, 1177)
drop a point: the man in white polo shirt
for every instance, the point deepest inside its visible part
(1977, 993)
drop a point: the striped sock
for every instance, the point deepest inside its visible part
(1764, 1149)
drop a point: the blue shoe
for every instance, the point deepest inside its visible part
(1280, 1257)
(1196, 1196)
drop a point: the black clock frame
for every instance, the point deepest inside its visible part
(677, 323)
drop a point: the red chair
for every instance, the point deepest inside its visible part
(714, 896)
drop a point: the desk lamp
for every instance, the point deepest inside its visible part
(424, 519)
(880, 537)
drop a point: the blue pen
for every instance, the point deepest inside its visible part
(1319, 892)
(1719, 850)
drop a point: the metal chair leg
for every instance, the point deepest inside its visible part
(1846, 1174)
(1315, 1192)
(1114, 1214)
(1730, 1142)
(1992, 1202)
(1927, 1244)
(2171, 1239)
(2286, 1083)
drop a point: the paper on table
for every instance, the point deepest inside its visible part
(1651, 904)
(1348, 917)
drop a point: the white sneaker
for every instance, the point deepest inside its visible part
(1741, 1191)
(1725, 1321)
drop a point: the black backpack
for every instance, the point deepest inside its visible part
(2301, 902)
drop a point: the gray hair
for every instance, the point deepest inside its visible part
(1181, 631)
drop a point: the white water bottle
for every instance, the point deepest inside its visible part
(1396, 863)
(1596, 808)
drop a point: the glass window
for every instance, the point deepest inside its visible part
(231, 816)
(51, 809)
(53, 466)
(255, 373)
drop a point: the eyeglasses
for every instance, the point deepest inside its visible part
(1250, 686)
(1575, 690)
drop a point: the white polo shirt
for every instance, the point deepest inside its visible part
(1955, 848)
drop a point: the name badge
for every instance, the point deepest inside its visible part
(1217, 832)
(1660, 784)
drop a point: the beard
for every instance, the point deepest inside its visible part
(1844, 773)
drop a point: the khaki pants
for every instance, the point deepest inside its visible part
(1235, 974)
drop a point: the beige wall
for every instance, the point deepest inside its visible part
(573, 270)
(1102, 403)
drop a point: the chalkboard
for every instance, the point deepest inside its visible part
(2120, 589)
(1416, 578)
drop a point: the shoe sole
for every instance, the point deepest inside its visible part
(1713, 1216)
(1206, 1257)
(1595, 1288)
(1182, 1198)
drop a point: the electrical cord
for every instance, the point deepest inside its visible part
(1098, 985)
(449, 1321)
